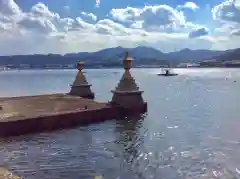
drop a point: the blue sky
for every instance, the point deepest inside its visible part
(77, 6)
(63, 26)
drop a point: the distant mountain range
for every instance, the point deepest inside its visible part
(230, 58)
(112, 57)
(149, 54)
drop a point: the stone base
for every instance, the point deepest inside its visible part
(130, 101)
(87, 96)
(82, 91)
(136, 109)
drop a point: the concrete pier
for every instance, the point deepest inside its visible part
(31, 114)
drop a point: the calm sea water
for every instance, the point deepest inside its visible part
(191, 129)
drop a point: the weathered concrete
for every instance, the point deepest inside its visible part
(30, 114)
(21, 115)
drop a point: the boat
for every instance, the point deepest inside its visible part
(167, 72)
(3, 69)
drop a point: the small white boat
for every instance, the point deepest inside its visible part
(167, 72)
(3, 68)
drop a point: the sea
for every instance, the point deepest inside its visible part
(191, 129)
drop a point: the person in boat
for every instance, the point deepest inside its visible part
(167, 72)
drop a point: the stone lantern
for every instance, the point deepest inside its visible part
(80, 86)
(127, 62)
(127, 93)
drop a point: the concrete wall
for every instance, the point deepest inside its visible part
(130, 100)
(58, 121)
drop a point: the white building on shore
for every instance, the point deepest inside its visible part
(187, 65)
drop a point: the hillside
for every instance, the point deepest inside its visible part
(111, 57)
(194, 56)
(229, 59)
(138, 53)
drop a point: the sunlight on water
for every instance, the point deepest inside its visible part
(191, 130)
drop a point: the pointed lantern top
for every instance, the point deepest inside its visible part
(127, 62)
(80, 66)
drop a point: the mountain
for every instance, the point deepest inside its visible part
(142, 56)
(110, 53)
(194, 56)
(102, 54)
(141, 52)
(231, 58)
(147, 52)
(112, 57)
(230, 55)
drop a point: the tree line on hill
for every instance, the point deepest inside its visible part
(112, 57)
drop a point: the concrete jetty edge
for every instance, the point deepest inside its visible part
(66, 116)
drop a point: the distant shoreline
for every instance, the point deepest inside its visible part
(10, 69)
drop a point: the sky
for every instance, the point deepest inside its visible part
(65, 26)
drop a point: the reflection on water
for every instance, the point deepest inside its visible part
(96, 151)
(191, 129)
(130, 141)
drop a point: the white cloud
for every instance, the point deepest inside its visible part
(66, 8)
(39, 25)
(235, 33)
(117, 29)
(198, 32)
(228, 16)
(188, 5)
(150, 17)
(227, 29)
(41, 10)
(45, 31)
(237, 2)
(97, 4)
(88, 17)
(9, 7)
(83, 26)
(227, 12)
